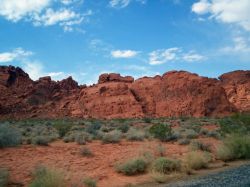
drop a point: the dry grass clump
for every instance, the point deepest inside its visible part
(196, 160)
(112, 137)
(89, 182)
(45, 177)
(86, 152)
(132, 167)
(165, 165)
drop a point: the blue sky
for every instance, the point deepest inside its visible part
(85, 38)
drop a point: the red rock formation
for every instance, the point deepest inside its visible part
(176, 93)
(237, 87)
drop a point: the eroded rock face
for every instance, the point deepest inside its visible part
(114, 77)
(237, 87)
(176, 93)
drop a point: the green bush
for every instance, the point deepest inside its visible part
(92, 128)
(44, 177)
(165, 165)
(160, 131)
(84, 151)
(239, 145)
(62, 127)
(132, 167)
(135, 135)
(9, 137)
(112, 137)
(89, 182)
(238, 123)
(123, 128)
(4, 177)
(41, 140)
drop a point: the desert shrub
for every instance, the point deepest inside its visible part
(224, 153)
(89, 182)
(197, 145)
(44, 177)
(238, 123)
(160, 131)
(112, 137)
(135, 135)
(80, 139)
(41, 140)
(4, 177)
(213, 134)
(184, 141)
(92, 128)
(190, 134)
(84, 151)
(165, 165)
(160, 150)
(9, 137)
(123, 128)
(132, 167)
(197, 160)
(203, 132)
(239, 145)
(62, 127)
(147, 120)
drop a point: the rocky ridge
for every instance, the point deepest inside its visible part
(175, 93)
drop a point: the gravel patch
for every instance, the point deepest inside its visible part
(236, 177)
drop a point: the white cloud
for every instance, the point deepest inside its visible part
(16, 54)
(163, 55)
(124, 53)
(69, 2)
(123, 3)
(192, 57)
(36, 70)
(15, 10)
(226, 11)
(240, 45)
(64, 17)
(41, 13)
(201, 7)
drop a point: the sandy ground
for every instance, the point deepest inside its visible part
(22, 160)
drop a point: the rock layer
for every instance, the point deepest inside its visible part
(175, 93)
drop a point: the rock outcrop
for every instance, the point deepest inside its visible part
(175, 93)
(237, 87)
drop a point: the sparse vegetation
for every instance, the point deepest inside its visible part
(44, 177)
(132, 167)
(160, 150)
(165, 165)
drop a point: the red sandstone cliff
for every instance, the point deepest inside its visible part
(176, 93)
